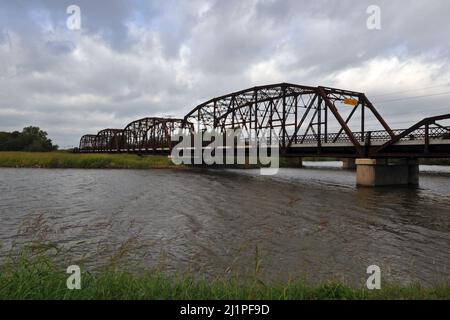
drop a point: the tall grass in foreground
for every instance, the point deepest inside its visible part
(39, 276)
(86, 161)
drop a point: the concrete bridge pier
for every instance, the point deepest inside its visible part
(383, 172)
(348, 163)
(293, 162)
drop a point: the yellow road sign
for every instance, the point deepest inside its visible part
(351, 101)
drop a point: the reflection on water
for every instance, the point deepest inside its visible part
(308, 221)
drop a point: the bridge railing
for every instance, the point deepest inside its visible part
(424, 130)
(419, 134)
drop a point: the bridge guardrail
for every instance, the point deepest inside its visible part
(378, 135)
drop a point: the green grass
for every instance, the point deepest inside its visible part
(39, 277)
(62, 159)
(77, 160)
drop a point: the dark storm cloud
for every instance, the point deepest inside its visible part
(138, 58)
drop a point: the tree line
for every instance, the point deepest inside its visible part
(30, 139)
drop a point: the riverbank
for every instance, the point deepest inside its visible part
(84, 161)
(69, 160)
(42, 278)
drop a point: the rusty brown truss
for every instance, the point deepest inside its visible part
(308, 121)
(147, 135)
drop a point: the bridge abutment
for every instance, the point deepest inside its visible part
(381, 172)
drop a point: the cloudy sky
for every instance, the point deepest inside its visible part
(132, 59)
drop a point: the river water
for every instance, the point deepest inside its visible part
(311, 222)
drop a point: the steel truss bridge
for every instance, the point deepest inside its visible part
(307, 121)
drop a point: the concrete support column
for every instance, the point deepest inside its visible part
(413, 172)
(348, 163)
(293, 162)
(380, 172)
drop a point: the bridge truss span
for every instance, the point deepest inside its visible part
(88, 143)
(306, 121)
(429, 138)
(146, 135)
(108, 140)
(293, 112)
(151, 134)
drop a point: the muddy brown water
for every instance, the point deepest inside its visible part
(311, 222)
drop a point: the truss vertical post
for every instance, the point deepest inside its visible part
(326, 123)
(319, 126)
(255, 92)
(233, 113)
(362, 120)
(295, 116)
(283, 120)
(215, 115)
